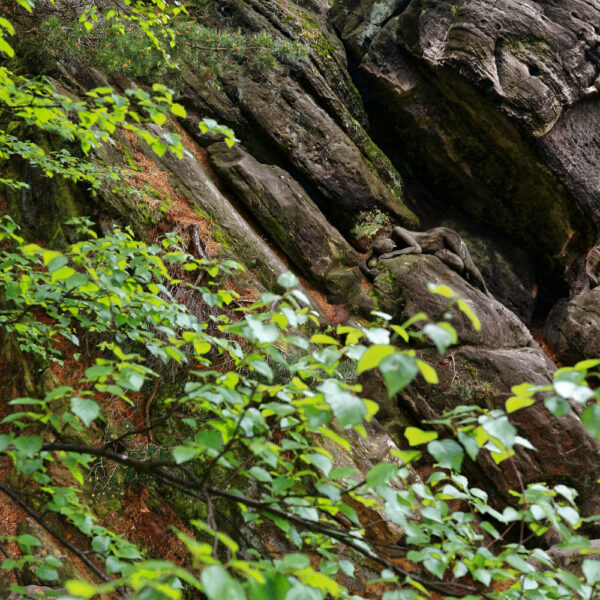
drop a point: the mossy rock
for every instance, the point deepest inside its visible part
(48, 548)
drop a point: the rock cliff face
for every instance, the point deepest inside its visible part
(491, 101)
(489, 108)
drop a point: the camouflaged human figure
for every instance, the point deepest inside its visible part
(442, 242)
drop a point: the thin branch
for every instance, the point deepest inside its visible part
(233, 438)
(112, 442)
(144, 466)
(37, 517)
(347, 539)
(155, 468)
(147, 410)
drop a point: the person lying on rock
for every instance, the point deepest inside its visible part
(442, 242)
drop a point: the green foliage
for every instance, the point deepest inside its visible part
(259, 420)
(369, 223)
(110, 46)
(34, 105)
(273, 436)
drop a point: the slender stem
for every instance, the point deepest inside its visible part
(38, 518)
(155, 469)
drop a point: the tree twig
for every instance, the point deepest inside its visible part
(37, 517)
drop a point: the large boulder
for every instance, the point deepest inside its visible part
(488, 100)
(292, 220)
(565, 452)
(401, 290)
(573, 327)
(482, 372)
(307, 116)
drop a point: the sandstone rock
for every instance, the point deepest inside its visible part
(488, 100)
(307, 117)
(565, 452)
(482, 372)
(292, 220)
(48, 548)
(573, 327)
(401, 290)
(191, 178)
(317, 148)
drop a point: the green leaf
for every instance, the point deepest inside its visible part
(590, 363)
(322, 462)
(9, 564)
(347, 567)
(483, 575)
(288, 280)
(591, 571)
(100, 543)
(514, 560)
(78, 280)
(416, 436)
(114, 565)
(428, 372)
(569, 389)
(62, 274)
(405, 456)
(27, 541)
(80, 588)
(53, 562)
(501, 429)
(260, 474)
(342, 472)
(468, 311)
(178, 110)
(320, 338)
(87, 410)
(265, 334)
(260, 366)
(448, 453)
(183, 454)
(517, 403)
(398, 371)
(28, 445)
(47, 573)
(56, 263)
(347, 408)
(5, 440)
(219, 585)
(441, 336)
(591, 420)
(132, 379)
(441, 290)
(99, 371)
(159, 148)
(558, 406)
(159, 118)
(271, 587)
(381, 474)
(303, 592)
(295, 561)
(6, 48)
(470, 444)
(373, 356)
